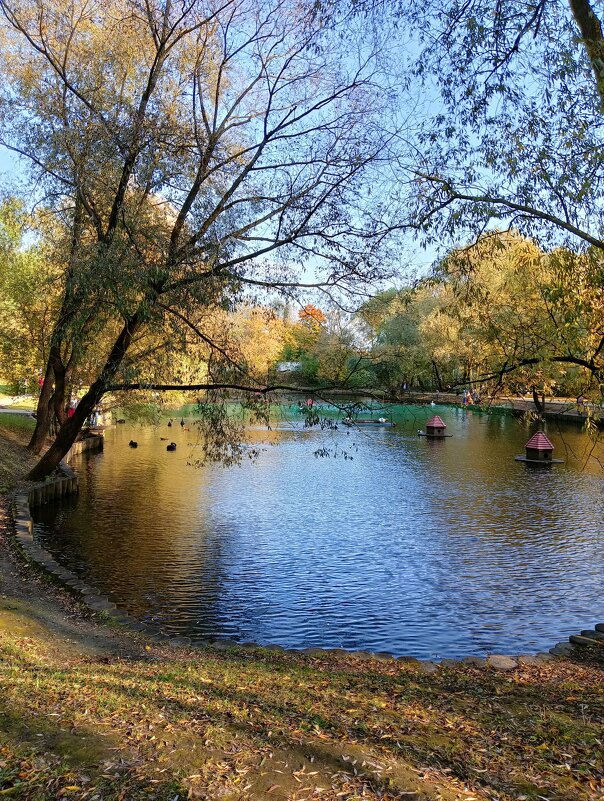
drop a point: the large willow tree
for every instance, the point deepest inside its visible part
(187, 150)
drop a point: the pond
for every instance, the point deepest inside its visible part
(394, 543)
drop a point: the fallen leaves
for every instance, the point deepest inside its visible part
(217, 726)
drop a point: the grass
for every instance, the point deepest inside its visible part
(17, 426)
(258, 724)
(15, 461)
(129, 720)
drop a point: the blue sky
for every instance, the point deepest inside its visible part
(9, 165)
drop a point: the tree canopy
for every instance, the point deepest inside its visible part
(513, 132)
(187, 152)
(186, 159)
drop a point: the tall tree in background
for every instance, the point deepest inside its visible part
(187, 151)
(500, 312)
(518, 312)
(28, 296)
(402, 351)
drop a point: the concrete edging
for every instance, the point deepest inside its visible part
(95, 442)
(96, 602)
(66, 484)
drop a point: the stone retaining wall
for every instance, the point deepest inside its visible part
(96, 602)
(67, 484)
(92, 443)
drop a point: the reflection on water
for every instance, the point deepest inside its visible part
(435, 549)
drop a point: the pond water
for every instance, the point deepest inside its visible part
(426, 548)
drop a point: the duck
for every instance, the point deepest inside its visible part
(133, 444)
(171, 446)
(120, 421)
(164, 439)
(169, 423)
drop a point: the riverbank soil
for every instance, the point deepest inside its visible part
(88, 711)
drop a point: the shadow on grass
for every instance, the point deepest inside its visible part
(44, 758)
(535, 732)
(83, 748)
(49, 624)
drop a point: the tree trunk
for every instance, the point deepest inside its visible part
(55, 369)
(59, 396)
(51, 402)
(43, 412)
(73, 425)
(539, 404)
(66, 437)
(593, 40)
(439, 384)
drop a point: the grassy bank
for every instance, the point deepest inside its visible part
(263, 725)
(89, 712)
(15, 461)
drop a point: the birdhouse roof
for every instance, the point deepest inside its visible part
(539, 442)
(436, 422)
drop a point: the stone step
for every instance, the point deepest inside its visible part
(562, 649)
(578, 640)
(178, 642)
(595, 635)
(501, 662)
(474, 661)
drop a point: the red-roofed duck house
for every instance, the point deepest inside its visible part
(435, 427)
(539, 450)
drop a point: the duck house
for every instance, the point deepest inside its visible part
(435, 427)
(539, 450)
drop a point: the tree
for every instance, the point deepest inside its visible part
(523, 314)
(27, 299)
(509, 133)
(255, 337)
(339, 354)
(518, 135)
(405, 350)
(499, 311)
(508, 102)
(312, 317)
(186, 152)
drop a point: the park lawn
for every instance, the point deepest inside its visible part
(15, 461)
(259, 724)
(137, 720)
(7, 398)
(24, 404)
